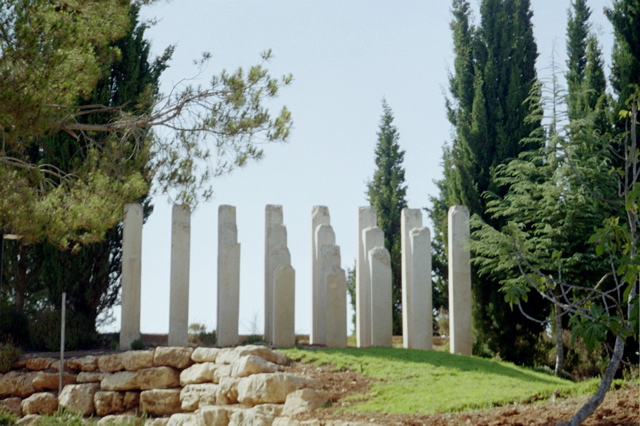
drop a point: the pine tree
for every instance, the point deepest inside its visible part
(386, 192)
(624, 15)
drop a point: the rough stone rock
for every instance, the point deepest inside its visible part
(110, 363)
(205, 354)
(136, 360)
(131, 400)
(251, 364)
(198, 395)
(29, 419)
(216, 415)
(120, 381)
(161, 402)
(108, 402)
(198, 373)
(12, 405)
(161, 421)
(304, 400)
(226, 356)
(158, 378)
(117, 419)
(221, 371)
(264, 353)
(178, 357)
(51, 381)
(19, 364)
(78, 399)
(17, 384)
(38, 364)
(185, 419)
(91, 377)
(266, 388)
(40, 403)
(260, 415)
(87, 363)
(227, 391)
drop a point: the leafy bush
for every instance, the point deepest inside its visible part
(252, 339)
(80, 332)
(199, 336)
(138, 345)
(9, 354)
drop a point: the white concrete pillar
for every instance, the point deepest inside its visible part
(381, 297)
(461, 337)
(366, 219)
(131, 275)
(410, 219)
(324, 236)
(273, 239)
(421, 303)
(372, 237)
(228, 312)
(319, 216)
(179, 279)
(335, 315)
(284, 303)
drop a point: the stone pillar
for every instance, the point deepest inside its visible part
(410, 219)
(335, 313)
(324, 237)
(461, 338)
(319, 216)
(421, 302)
(131, 275)
(372, 237)
(273, 219)
(179, 279)
(228, 277)
(381, 297)
(366, 219)
(284, 303)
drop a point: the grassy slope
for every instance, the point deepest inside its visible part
(427, 382)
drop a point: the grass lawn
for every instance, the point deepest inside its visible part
(427, 382)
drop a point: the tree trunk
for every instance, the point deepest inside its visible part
(559, 343)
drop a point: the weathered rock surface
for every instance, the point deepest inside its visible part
(17, 384)
(205, 354)
(29, 419)
(198, 395)
(247, 365)
(260, 415)
(216, 415)
(228, 391)
(198, 373)
(271, 388)
(185, 419)
(38, 364)
(304, 400)
(86, 363)
(78, 399)
(177, 357)
(136, 360)
(108, 402)
(91, 377)
(161, 402)
(110, 363)
(12, 405)
(116, 419)
(158, 378)
(40, 403)
(51, 381)
(120, 381)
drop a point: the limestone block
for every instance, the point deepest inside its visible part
(40, 403)
(185, 419)
(319, 216)
(422, 301)
(226, 356)
(198, 373)
(17, 384)
(86, 363)
(135, 360)
(38, 364)
(228, 312)
(91, 377)
(19, 364)
(29, 419)
(461, 339)
(11, 405)
(284, 306)
(216, 415)
(51, 381)
(381, 297)
(108, 402)
(120, 381)
(160, 421)
(78, 399)
(131, 274)
(131, 400)
(221, 372)
(304, 400)
(367, 218)
(177, 357)
(198, 395)
(409, 220)
(179, 276)
(110, 363)
(231, 355)
(271, 388)
(251, 364)
(205, 354)
(161, 402)
(259, 415)
(227, 391)
(324, 237)
(157, 378)
(122, 419)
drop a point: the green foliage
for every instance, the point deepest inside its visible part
(15, 328)
(7, 419)
(199, 336)
(453, 382)
(138, 345)
(386, 192)
(45, 331)
(9, 354)
(351, 291)
(253, 339)
(63, 418)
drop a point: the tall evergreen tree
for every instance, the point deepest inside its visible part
(494, 75)
(386, 192)
(624, 15)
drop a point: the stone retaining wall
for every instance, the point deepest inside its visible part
(171, 385)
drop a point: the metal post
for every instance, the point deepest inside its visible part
(62, 327)
(1, 265)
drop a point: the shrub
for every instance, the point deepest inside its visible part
(14, 327)
(138, 345)
(7, 419)
(9, 354)
(80, 332)
(199, 336)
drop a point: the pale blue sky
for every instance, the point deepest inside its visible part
(345, 56)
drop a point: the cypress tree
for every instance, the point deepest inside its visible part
(386, 192)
